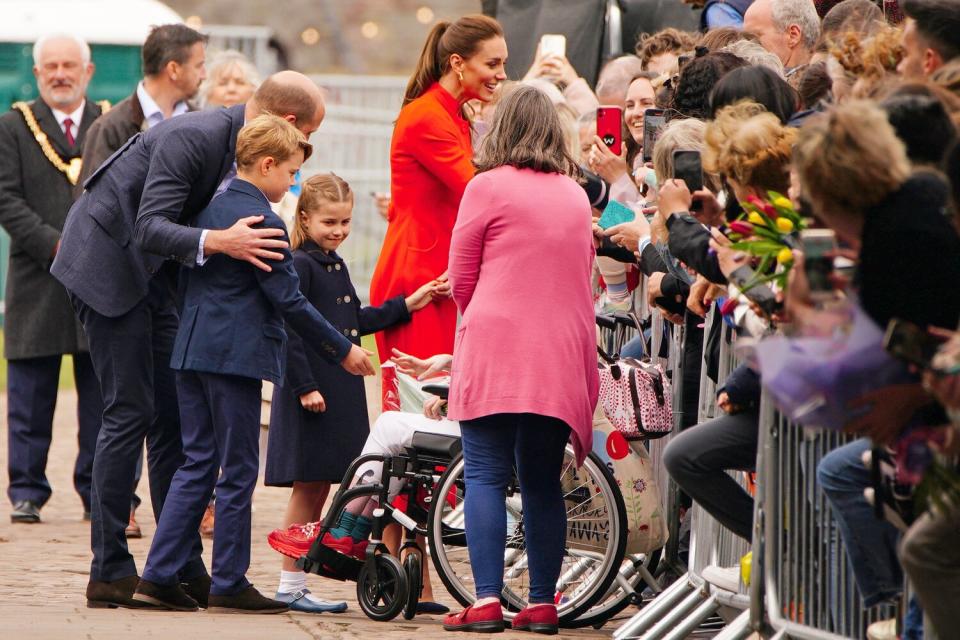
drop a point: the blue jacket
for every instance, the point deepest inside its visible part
(132, 214)
(233, 312)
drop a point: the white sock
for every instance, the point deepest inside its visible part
(292, 581)
(482, 602)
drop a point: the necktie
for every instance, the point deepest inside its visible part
(68, 130)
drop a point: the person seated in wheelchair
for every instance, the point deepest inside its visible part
(390, 435)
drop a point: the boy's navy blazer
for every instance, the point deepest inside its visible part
(233, 312)
(128, 220)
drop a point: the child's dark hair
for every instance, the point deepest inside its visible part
(314, 192)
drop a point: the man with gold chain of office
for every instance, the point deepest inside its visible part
(41, 144)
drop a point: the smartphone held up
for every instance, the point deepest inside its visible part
(654, 120)
(552, 44)
(819, 250)
(610, 127)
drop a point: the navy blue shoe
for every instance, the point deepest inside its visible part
(298, 601)
(431, 608)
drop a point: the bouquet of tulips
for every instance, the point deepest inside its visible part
(767, 230)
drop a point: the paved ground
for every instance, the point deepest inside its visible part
(43, 573)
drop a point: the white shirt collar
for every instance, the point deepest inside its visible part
(152, 113)
(76, 116)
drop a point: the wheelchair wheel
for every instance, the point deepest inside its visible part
(596, 538)
(382, 592)
(411, 566)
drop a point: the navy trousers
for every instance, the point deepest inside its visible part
(131, 355)
(220, 421)
(31, 399)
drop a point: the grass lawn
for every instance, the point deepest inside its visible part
(66, 369)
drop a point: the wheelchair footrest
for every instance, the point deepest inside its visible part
(326, 562)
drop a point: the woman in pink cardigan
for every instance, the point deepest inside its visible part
(524, 376)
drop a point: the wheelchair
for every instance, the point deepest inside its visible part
(596, 581)
(385, 586)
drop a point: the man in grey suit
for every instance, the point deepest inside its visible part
(122, 243)
(42, 142)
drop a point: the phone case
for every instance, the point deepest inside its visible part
(615, 213)
(610, 127)
(653, 123)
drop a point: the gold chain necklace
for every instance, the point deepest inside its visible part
(71, 169)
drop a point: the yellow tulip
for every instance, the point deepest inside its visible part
(784, 225)
(756, 218)
(785, 256)
(783, 203)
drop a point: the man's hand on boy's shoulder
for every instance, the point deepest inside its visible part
(247, 240)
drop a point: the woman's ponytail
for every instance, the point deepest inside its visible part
(462, 37)
(429, 66)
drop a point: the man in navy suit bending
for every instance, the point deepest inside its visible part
(230, 338)
(121, 247)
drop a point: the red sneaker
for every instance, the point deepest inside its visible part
(342, 545)
(360, 549)
(538, 618)
(295, 540)
(485, 619)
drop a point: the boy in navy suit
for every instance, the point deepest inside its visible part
(230, 338)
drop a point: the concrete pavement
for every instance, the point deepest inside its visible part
(44, 567)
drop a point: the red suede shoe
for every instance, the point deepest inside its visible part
(538, 618)
(295, 540)
(485, 619)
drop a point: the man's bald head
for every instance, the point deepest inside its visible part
(292, 96)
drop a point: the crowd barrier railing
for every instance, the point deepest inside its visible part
(690, 601)
(801, 586)
(799, 559)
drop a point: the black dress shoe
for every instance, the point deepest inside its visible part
(25, 512)
(198, 588)
(117, 593)
(170, 597)
(247, 601)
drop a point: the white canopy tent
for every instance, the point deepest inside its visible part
(123, 22)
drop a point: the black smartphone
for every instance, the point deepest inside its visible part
(687, 167)
(910, 343)
(819, 248)
(761, 295)
(653, 122)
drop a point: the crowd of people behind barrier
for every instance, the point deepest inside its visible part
(804, 185)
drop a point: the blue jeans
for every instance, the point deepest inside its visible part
(871, 544)
(491, 446)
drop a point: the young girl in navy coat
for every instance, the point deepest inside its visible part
(318, 418)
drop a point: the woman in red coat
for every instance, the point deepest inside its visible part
(431, 163)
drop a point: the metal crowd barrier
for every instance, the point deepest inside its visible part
(808, 590)
(797, 553)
